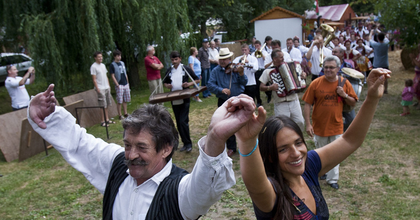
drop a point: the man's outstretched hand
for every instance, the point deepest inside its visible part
(42, 105)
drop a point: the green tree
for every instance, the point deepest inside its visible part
(403, 15)
(235, 15)
(63, 34)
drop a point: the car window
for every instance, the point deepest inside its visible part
(17, 59)
(4, 61)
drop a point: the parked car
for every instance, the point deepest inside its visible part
(20, 60)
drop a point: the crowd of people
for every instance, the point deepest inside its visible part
(281, 175)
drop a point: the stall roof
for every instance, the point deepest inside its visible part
(274, 10)
(332, 12)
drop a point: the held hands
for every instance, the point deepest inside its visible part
(376, 81)
(253, 126)
(236, 115)
(41, 106)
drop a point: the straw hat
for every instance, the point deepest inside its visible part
(225, 53)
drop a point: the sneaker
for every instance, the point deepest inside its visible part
(121, 117)
(404, 114)
(323, 177)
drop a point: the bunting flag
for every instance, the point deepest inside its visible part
(316, 7)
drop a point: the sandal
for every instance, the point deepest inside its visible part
(111, 122)
(103, 124)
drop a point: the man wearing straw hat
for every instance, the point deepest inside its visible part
(177, 79)
(226, 81)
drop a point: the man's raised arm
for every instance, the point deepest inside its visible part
(89, 155)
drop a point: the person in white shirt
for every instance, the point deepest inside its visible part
(302, 48)
(252, 66)
(274, 45)
(314, 53)
(15, 85)
(361, 30)
(261, 68)
(176, 78)
(213, 55)
(268, 48)
(139, 180)
(294, 53)
(335, 42)
(101, 83)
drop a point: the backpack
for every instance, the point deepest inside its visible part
(346, 107)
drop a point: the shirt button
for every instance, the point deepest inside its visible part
(131, 213)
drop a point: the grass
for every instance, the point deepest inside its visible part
(379, 181)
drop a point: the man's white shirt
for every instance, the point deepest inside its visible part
(249, 72)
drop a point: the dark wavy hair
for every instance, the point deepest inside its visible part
(270, 156)
(158, 122)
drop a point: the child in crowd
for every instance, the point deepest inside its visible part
(407, 97)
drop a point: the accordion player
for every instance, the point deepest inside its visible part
(288, 77)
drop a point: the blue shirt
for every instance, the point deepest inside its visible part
(219, 80)
(251, 48)
(312, 168)
(381, 53)
(196, 65)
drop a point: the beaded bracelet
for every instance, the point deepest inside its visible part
(247, 155)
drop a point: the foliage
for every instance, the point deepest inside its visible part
(403, 15)
(235, 15)
(63, 34)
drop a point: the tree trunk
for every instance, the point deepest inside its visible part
(405, 57)
(133, 74)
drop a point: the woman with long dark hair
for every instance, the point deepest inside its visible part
(281, 175)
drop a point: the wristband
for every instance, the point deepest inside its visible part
(247, 155)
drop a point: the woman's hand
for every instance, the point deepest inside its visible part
(253, 126)
(376, 81)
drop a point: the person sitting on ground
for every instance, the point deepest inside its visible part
(280, 174)
(139, 180)
(15, 85)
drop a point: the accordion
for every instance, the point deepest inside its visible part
(287, 76)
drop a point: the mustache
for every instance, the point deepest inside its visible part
(135, 162)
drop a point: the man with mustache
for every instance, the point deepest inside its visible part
(139, 180)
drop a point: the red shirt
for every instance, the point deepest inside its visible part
(152, 74)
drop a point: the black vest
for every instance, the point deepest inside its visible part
(165, 202)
